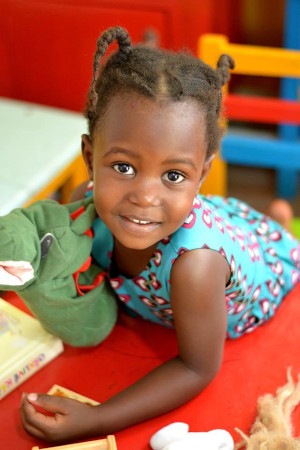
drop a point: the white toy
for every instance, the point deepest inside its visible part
(176, 436)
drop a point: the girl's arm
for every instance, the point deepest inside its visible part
(198, 285)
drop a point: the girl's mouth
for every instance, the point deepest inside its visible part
(140, 222)
(135, 225)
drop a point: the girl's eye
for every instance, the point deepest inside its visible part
(124, 168)
(173, 177)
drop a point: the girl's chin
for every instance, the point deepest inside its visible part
(134, 244)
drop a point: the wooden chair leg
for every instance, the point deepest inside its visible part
(78, 174)
(216, 181)
(287, 181)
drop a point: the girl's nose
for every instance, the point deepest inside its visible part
(146, 193)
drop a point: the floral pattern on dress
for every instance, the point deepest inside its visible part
(263, 258)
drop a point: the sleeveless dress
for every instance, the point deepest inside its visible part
(264, 261)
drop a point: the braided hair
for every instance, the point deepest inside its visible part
(157, 74)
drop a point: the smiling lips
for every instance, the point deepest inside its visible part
(140, 222)
(146, 224)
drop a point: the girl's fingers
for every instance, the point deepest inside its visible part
(29, 412)
(28, 415)
(50, 403)
(34, 431)
(55, 419)
(37, 422)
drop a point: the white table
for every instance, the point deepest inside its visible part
(38, 144)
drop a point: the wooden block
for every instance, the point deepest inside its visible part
(101, 444)
(60, 391)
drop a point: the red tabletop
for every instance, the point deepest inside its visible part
(253, 365)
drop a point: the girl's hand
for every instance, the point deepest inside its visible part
(63, 419)
(198, 283)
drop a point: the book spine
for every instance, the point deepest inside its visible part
(30, 365)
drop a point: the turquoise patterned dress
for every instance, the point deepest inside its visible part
(264, 260)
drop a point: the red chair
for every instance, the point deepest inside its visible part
(246, 147)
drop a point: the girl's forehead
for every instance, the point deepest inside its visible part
(132, 111)
(144, 124)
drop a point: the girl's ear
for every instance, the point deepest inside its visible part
(206, 169)
(87, 153)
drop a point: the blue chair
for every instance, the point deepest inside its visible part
(290, 90)
(250, 148)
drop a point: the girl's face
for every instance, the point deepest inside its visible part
(147, 161)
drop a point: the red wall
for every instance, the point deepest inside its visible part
(47, 46)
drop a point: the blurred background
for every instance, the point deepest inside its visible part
(47, 47)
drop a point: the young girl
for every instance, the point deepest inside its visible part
(210, 267)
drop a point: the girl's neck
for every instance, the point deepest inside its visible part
(130, 262)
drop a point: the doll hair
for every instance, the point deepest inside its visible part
(273, 428)
(157, 74)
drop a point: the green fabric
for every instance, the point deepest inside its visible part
(296, 227)
(79, 320)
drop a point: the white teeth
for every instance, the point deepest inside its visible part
(141, 222)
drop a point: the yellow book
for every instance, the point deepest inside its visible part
(25, 347)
